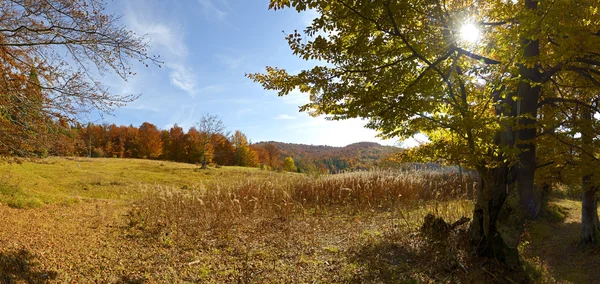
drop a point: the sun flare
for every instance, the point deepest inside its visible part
(469, 33)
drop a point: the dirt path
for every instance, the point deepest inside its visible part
(554, 248)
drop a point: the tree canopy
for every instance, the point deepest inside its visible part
(487, 101)
(53, 54)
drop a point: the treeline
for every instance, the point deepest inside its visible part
(197, 147)
(149, 142)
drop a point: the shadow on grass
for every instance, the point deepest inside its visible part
(384, 262)
(419, 259)
(556, 247)
(18, 266)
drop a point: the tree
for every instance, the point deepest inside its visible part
(193, 146)
(288, 165)
(177, 144)
(116, 139)
(244, 155)
(404, 66)
(209, 126)
(132, 138)
(263, 156)
(50, 46)
(223, 150)
(64, 139)
(22, 122)
(273, 154)
(150, 141)
(590, 224)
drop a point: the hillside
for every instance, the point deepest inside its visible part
(357, 156)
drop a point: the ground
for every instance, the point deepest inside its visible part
(553, 246)
(136, 221)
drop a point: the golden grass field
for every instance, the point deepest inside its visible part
(142, 221)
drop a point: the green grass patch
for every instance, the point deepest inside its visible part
(15, 197)
(33, 183)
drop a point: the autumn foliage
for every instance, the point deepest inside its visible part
(176, 144)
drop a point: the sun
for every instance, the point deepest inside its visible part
(469, 33)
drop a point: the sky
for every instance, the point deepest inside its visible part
(207, 47)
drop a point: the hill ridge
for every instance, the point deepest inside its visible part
(325, 158)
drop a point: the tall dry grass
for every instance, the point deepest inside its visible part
(220, 204)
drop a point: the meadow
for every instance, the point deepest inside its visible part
(138, 221)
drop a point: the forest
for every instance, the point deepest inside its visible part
(199, 144)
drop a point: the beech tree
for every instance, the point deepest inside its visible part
(223, 150)
(149, 141)
(52, 54)
(209, 126)
(177, 144)
(473, 76)
(244, 155)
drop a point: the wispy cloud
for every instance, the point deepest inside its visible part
(210, 9)
(285, 117)
(184, 116)
(141, 107)
(183, 77)
(168, 40)
(218, 10)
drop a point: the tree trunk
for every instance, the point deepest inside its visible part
(507, 193)
(489, 233)
(497, 225)
(590, 225)
(527, 106)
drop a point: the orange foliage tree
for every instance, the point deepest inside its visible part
(150, 142)
(46, 50)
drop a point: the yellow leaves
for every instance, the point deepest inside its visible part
(279, 4)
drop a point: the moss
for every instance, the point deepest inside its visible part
(332, 249)
(555, 213)
(533, 270)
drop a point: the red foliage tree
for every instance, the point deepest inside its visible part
(150, 142)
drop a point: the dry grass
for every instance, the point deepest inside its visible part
(305, 229)
(219, 203)
(236, 225)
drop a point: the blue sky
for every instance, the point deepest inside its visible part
(207, 47)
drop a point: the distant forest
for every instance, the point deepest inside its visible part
(357, 156)
(194, 146)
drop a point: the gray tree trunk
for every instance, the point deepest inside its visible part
(590, 225)
(507, 193)
(495, 229)
(491, 233)
(529, 90)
